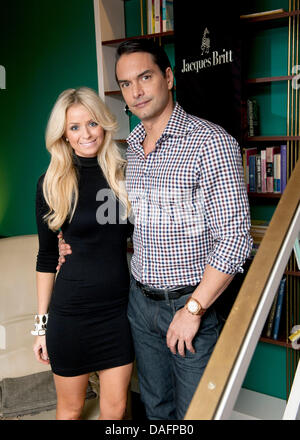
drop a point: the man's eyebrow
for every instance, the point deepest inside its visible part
(138, 76)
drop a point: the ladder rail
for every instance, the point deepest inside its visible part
(220, 384)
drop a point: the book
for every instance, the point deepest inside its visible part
(252, 117)
(157, 15)
(150, 20)
(169, 15)
(252, 176)
(248, 152)
(263, 170)
(281, 291)
(270, 151)
(257, 173)
(164, 15)
(271, 316)
(277, 173)
(257, 230)
(283, 168)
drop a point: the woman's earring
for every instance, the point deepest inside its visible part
(127, 111)
(67, 140)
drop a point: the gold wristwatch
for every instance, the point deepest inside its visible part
(194, 307)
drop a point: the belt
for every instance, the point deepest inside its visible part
(160, 294)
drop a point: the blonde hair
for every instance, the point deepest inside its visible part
(60, 186)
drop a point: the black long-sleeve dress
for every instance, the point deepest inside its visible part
(87, 327)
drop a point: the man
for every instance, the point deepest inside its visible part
(191, 236)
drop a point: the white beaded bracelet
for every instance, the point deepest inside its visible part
(40, 325)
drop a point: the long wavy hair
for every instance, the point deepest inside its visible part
(60, 186)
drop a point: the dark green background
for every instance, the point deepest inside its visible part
(46, 47)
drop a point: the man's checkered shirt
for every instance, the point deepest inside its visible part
(189, 203)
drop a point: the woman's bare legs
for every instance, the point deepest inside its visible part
(71, 393)
(114, 384)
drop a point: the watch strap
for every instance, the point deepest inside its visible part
(200, 311)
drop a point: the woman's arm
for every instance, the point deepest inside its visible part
(44, 282)
(45, 267)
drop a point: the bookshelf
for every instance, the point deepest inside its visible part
(116, 42)
(110, 32)
(269, 79)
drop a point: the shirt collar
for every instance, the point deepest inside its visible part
(178, 126)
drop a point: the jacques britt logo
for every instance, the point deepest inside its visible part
(205, 46)
(216, 58)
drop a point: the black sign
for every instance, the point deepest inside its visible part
(208, 61)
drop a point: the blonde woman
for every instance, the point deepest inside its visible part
(82, 325)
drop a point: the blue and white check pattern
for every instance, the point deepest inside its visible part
(189, 203)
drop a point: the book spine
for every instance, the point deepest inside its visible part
(250, 117)
(164, 15)
(169, 15)
(149, 16)
(279, 308)
(153, 16)
(276, 173)
(255, 117)
(252, 184)
(263, 171)
(283, 167)
(270, 168)
(157, 15)
(271, 317)
(258, 173)
(249, 152)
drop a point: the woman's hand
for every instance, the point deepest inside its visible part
(40, 350)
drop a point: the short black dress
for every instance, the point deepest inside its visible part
(87, 327)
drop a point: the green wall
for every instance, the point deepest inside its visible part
(46, 47)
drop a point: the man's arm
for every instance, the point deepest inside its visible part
(184, 326)
(226, 209)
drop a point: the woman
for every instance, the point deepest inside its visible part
(87, 328)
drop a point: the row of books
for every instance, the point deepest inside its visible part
(257, 230)
(265, 170)
(159, 16)
(271, 328)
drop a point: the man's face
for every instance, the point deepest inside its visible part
(145, 89)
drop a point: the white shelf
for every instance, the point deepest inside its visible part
(110, 25)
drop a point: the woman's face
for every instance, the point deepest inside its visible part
(84, 134)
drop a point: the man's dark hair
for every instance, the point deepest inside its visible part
(145, 45)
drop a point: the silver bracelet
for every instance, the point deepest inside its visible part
(40, 325)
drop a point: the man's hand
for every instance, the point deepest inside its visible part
(64, 249)
(182, 331)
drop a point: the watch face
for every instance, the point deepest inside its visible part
(193, 306)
